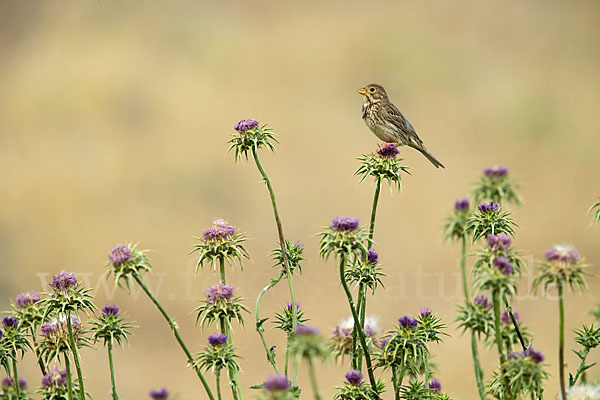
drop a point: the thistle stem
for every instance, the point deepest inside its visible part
(286, 266)
(69, 378)
(313, 378)
(514, 322)
(357, 327)
(395, 383)
(498, 334)
(16, 377)
(259, 323)
(477, 367)
(112, 371)
(463, 267)
(222, 269)
(561, 341)
(218, 379)
(175, 330)
(75, 356)
(37, 352)
(234, 378)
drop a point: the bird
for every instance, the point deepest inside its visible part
(387, 122)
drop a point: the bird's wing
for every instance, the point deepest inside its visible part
(402, 123)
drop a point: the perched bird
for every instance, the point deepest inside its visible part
(388, 123)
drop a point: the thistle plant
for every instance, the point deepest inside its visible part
(11, 389)
(27, 310)
(55, 386)
(250, 137)
(13, 344)
(563, 266)
(343, 333)
(55, 339)
(355, 388)
(220, 243)
(111, 327)
(490, 220)
(218, 355)
(126, 264)
(278, 387)
(588, 337)
(496, 185)
(307, 343)
(525, 373)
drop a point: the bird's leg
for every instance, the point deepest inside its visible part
(384, 145)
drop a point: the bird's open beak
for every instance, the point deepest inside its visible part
(362, 91)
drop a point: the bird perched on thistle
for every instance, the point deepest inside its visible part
(387, 122)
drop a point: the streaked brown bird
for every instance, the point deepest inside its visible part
(387, 122)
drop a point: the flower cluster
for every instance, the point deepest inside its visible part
(55, 337)
(279, 387)
(125, 263)
(110, 326)
(218, 355)
(366, 271)
(524, 371)
(355, 388)
(159, 394)
(220, 303)
(497, 265)
(220, 242)
(496, 185)
(563, 266)
(250, 136)
(490, 219)
(343, 237)
(383, 165)
(477, 317)
(456, 223)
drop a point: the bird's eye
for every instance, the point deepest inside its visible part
(372, 90)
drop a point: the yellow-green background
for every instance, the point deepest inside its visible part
(113, 122)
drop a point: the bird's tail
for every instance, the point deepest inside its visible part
(430, 157)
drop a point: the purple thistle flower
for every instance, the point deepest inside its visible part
(343, 223)
(426, 312)
(408, 322)
(505, 317)
(289, 305)
(486, 208)
(461, 205)
(110, 310)
(49, 328)
(119, 254)
(513, 356)
(244, 124)
(1, 334)
(435, 385)
(63, 281)
(27, 298)
(354, 377)
(277, 383)
(159, 394)
(388, 150)
(504, 265)
(483, 302)
(9, 381)
(535, 355)
(562, 253)
(217, 339)
(384, 341)
(372, 256)
(306, 330)
(218, 292)
(500, 242)
(220, 229)
(495, 172)
(10, 322)
(55, 377)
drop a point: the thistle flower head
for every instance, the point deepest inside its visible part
(344, 223)
(289, 305)
(387, 150)
(462, 204)
(55, 378)
(562, 253)
(505, 317)
(486, 208)
(500, 242)
(159, 394)
(435, 385)
(219, 292)
(306, 330)
(9, 381)
(503, 265)
(535, 355)
(372, 256)
(384, 340)
(119, 254)
(425, 313)
(294, 252)
(483, 302)
(10, 323)
(277, 383)
(354, 377)
(63, 281)
(110, 310)
(26, 299)
(220, 229)
(243, 125)
(217, 339)
(408, 322)
(495, 171)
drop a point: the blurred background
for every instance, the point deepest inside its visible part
(114, 117)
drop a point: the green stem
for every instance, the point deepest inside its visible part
(286, 266)
(16, 377)
(259, 323)
(580, 369)
(234, 378)
(287, 354)
(75, 351)
(175, 330)
(561, 341)
(463, 268)
(69, 378)
(218, 378)
(357, 327)
(395, 383)
(427, 370)
(477, 367)
(498, 334)
(37, 352)
(313, 378)
(222, 269)
(514, 322)
(112, 371)
(374, 210)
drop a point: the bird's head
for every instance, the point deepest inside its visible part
(373, 92)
